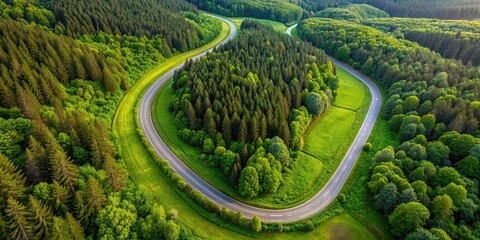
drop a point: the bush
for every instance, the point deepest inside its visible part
(342, 198)
(309, 226)
(367, 147)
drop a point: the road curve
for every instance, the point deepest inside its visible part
(313, 206)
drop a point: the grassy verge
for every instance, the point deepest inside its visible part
(144, 171)
(359, 200)
(326, 143)
(277, 26)
(341, 227)
(294, 33)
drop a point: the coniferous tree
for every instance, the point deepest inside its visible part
(12, 182)
(42, 217)
(18, 223)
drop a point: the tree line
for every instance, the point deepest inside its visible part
(458, 9)
(456, 39)
(427, 186)
(61, 175)
(276, 10)
(249, 103)
(352, 12)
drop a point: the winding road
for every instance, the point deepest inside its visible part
(313, 206)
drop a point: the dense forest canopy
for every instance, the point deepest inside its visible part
(443, 9)
(60, 172)
(277, 10)
(459, 39)
(352, 12)
(262, 85)
(427, 186)
(316, 5)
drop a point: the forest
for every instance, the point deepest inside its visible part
(276, 10)
(458, 39)
(352, 12)
(442, 9)
(61, 176)
(247, 119)
(428, 185)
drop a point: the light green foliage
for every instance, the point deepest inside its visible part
(442, 207)
(300, 122)
(208, 145)
(408, 217)
(268, 169)
(447, 175)
(386, 155)
(172, 230)
(352, 12)
(117, 219)
(29, 12)
(249, 182)
(13, 134)
(440, 234)
(256, 224)
(456, 192)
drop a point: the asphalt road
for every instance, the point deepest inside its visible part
(313, 206)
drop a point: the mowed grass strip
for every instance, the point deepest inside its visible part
(341, 227)
(143, 170)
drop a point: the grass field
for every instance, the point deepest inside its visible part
(277, 26)
(342, 227)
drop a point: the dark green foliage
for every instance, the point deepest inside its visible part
(386, 199)
(412, 90)
(459, 9)
(315, 5)
(469, 167)
(421, 234)
(408, 217)
(276, 10)
(450, 38)
(260, 85)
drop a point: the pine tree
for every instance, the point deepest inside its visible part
(109, 81)
(75, 227)
(3, 227)
(28, 103)
(12, 182)
(94, 198)
(19, 226)
(63, 170)
(60, 198)
(263, 127)
(115, 175)
(60, 229)
(191, 115)
(226, 129)
(42, 217)
(243, 131)
(37, 163)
